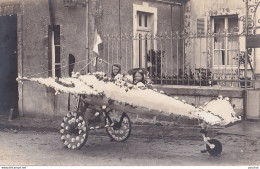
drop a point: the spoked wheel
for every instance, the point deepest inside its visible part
(74, 130)
(217, 149)
(119, 128)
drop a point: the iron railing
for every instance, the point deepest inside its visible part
(180, 58)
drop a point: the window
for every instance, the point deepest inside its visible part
(143, 20)
(55, 51)
(143, 30)
(225, 40)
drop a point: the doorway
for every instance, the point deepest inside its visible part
(8, 64)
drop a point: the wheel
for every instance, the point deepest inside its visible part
(74, 130)
(120, 128)
(217, 149)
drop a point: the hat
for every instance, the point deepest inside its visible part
(141, 70)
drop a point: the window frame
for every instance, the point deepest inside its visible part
(55, 46)
(152, 18)
(148, 27)
(144, 32)
(225, 34)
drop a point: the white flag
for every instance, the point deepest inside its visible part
(97, 41)
(94, 61)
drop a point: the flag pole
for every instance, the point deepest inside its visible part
(87, 37)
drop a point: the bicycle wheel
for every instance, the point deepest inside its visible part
(217, 149)
(119, 129)
(74, 130)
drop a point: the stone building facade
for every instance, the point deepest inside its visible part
(54, 34)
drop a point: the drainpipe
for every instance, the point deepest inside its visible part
(171, 37)
(87, 35)
(180, 31)
(51, 14)
(246, 61)
(52, 37)
(53, 52)
(120, 31)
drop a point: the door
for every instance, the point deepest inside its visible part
(8, 64)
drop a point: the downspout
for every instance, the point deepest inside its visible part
(183, 43)
(172, 39)
(21, 113)
(246, 61)
(120, 33)
(87, 37)
(51, 11)
(52, 37)
(51, 14)
(179, 34)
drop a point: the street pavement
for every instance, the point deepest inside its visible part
(243, 128)
(154, 130)
(32, 141)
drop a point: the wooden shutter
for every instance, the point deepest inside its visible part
(200, 26)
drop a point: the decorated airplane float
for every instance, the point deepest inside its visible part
(108, 100)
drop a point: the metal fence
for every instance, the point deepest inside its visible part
(210, 59)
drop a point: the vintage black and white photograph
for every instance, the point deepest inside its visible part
(129, 83)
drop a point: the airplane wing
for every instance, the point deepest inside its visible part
(130, 98)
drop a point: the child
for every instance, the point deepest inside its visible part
(116, 69)
(138, 77)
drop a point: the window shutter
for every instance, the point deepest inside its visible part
(200, 26)
(250, 24)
